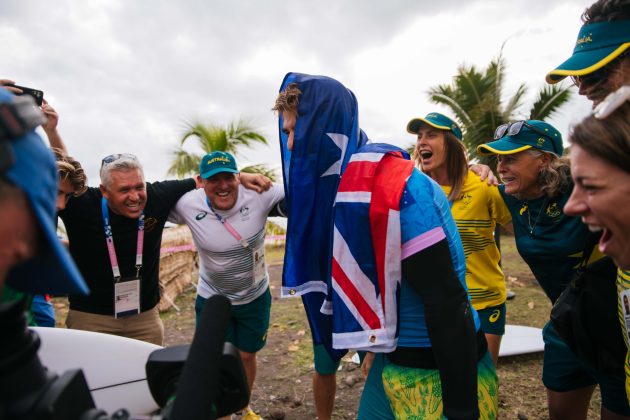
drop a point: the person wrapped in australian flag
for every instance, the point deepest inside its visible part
(377, 259)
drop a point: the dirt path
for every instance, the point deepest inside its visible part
(283, 387)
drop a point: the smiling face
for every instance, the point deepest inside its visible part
(126, 193)
(600, 83)
(289, 119)
(221, 189)
(519, 173)
(431, 150)
(601, 197)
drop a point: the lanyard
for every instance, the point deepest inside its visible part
(228, 226)
(109, 238)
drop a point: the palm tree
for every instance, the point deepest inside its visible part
(216, 138)
(475, 98)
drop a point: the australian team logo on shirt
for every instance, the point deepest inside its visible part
(149, 224)
(244, 212)
(553, 211)
(466, 199)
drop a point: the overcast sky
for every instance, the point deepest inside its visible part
(125, 75)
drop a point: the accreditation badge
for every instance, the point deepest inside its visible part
(259, 264)
(127, 297)
(624, 299)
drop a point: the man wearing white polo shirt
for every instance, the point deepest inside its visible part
(227, 223)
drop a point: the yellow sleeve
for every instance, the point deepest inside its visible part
(496, 204)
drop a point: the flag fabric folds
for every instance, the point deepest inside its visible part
(326, 134)
(366, 266)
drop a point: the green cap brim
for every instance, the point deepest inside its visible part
(586, 62)
(501, 147)
(414, 125)
(215, 171)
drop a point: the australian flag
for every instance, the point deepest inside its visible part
(326, 134)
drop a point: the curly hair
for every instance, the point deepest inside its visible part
(606, 11)
(71, 170)
(288, 99)
(554, 178)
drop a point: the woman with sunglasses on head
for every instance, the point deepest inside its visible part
(600, 157)
(536, 185)
(477, 207)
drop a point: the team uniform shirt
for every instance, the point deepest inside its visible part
(226, 267)
(476, 212)
(83, 220)
(550, 242)
(425, 220)
(623, 308)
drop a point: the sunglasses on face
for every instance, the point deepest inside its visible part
(600, 75)
(512, 129)
(107, 160)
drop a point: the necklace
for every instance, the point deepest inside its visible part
(529, 215)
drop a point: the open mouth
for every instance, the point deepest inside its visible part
(605, 239)
(426, 154)
(223, 194)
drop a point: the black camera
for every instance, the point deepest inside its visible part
(204, 380)
(38, 95)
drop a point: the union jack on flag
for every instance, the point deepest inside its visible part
(366, 263)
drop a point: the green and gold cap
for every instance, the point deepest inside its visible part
(436, 120)
(534, 134)
(597, 45)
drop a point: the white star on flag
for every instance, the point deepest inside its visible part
(341, 141)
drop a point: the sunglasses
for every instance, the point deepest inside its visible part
(612, 102)
(512, 129)
(108, 160)
(598, 76)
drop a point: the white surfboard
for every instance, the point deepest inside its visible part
(519, 339)
(114, 367)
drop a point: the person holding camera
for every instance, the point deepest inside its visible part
(73, 181)
(32, 259)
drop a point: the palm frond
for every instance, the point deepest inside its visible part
(550, 99)
(184, 164)
(263, 169)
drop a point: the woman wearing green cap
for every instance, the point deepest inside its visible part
(600, 62)
(536, 186)
(476, 208)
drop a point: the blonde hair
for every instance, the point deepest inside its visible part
(71, 170)
(555, 177)
(288, 99)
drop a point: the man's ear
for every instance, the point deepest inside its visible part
(103, 190)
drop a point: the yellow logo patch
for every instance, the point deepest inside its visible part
(495, 315)
(553, 210)
(218, 159)
(585, 39)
